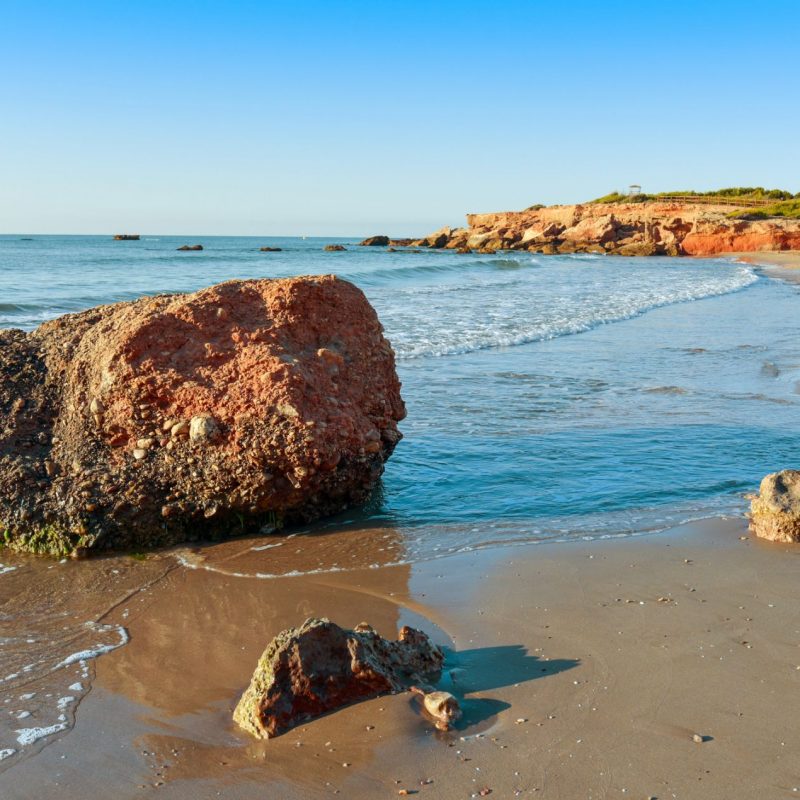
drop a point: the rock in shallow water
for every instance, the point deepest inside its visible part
(308, 671)
(775, 510)
(259, 402)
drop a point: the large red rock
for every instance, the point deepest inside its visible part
(177, 417)
(314, 669)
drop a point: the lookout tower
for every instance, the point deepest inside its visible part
(633, 189)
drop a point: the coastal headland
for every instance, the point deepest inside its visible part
(701, 225)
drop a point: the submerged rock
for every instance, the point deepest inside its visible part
(775, 510)
(187, 417)
(308, 671)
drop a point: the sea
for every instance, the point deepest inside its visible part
(550, 398)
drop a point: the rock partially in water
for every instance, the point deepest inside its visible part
(775, 510)
(270, 249)
(375, 241)
(199, 416)
(334, 248)
(308, 671)
(190, 247)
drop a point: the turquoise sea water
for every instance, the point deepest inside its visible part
(548, 396)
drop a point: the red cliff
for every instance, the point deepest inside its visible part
(653, 228)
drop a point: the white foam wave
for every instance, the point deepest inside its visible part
(511, 313)
(96, 650)
(27, 736)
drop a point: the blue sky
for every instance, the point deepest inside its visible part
(376, 117)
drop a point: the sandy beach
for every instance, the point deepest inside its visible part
(585, 670)
(317, 381)
(784, 265)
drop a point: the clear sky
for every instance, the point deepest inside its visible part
(356, 118)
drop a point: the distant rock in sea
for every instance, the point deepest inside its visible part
(334, 248)
(127, 237)
(270, 249)
(775, 510)
(190, 247)
(384, 241)
(309, 671)
(182, 417)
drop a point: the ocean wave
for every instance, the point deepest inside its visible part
(49, 678)
(322, 549)
(461, 266)
(506, 316)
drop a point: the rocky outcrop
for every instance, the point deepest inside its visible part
(334, 248)
(713, 236)
(308, 671)
(385, 241)
(653, 228)
(185, 417)
(775, 510)
(270, 249)
(127, 237)
(190, 247)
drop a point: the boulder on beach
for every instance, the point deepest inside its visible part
(187, 247)
(334, 248)
(199, 416)
(270, 249)
(775, 510)
(309, 671)
(375, 241)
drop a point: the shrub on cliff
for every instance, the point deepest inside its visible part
(789, 210)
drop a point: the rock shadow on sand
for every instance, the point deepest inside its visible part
(483, 669)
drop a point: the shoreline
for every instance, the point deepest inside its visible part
(584, 665)
(784, 265)
(788, 259)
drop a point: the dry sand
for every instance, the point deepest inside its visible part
(586, 670)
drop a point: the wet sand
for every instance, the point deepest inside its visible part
(784, 265)
(584, 668)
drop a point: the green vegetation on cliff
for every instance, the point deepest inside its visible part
(789, 209)
(746, 195)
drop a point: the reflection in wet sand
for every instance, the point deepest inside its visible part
(197, 620)
(195, 637)
(53, 625)
(193, 650)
